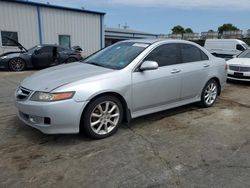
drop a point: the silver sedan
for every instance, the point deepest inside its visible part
(124, 81)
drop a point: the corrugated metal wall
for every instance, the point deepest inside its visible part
(85, 29)
(22, 19)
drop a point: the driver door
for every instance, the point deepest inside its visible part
(158, 87)
(43, 57)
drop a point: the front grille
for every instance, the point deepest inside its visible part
(238, 76)
(240, 69)
(23, 93)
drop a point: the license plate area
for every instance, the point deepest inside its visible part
(238, 74)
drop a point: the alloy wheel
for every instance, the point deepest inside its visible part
(210, 93)
(105, 117)
(17, 64)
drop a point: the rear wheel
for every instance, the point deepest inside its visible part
(209, 94)
(17, 64)
(102, 117)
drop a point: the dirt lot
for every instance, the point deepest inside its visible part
(184, 147)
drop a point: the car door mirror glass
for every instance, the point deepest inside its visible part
(149, 65)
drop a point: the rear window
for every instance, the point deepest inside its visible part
(191, 53)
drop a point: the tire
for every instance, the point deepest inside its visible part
(105, 114)
(70, 60)
(17, 64)
(209, 94)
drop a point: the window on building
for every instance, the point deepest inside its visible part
(64, 41)
(9, 34)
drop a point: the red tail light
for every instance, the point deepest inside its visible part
(226, 66)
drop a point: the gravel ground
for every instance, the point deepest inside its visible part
(183, 147)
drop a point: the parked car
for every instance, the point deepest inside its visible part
(39, 56)
(225, 48)
(123, 81)
(239, 67)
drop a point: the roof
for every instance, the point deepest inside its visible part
(151, 41)
(122, 30)
(55, 7)
(147, 41)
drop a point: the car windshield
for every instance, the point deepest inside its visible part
(37, 47)
(117, 56)
(245, 54)
(245, 46)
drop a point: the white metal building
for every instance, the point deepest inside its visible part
(34, 23)
(113, 35)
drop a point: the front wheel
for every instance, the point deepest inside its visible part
(102, 117)
(209, 94)
(17, 64)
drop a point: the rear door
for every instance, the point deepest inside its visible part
(43, 57)
(194, 66)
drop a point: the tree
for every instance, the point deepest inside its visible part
(227, 27)
(189, 30)
(178, 30)
(210, 30)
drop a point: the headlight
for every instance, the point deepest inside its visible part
(49, 97)
(4, 57)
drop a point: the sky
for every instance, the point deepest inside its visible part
(160, 16)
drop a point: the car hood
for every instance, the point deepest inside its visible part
(239, 61)
(52, 78)
(17, 44)
(17, 53)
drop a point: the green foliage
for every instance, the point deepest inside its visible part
(178, 30)
(210, 30)
(189, 30)
(227, 27)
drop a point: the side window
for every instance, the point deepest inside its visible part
(191, 53)
(9, 34)
(240, 47)
(46, 49)
(204, 57)
(59, 49)
(167, 54)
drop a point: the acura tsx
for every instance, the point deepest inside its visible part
(123, 81)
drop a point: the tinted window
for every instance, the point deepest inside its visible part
(239, 47)
(9, 34)
(46, 49)
(191, 53)
(59, 49)
(245, 54)
(167, 54)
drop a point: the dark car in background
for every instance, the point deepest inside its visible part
(39, 56)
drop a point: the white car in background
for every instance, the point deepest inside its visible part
(239, 67)
(225, 48)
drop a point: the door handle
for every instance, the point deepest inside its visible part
(174, 71)
(206, 65)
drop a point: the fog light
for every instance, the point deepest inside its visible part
(35, 119)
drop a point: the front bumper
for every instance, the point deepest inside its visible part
(51, 117)
(232, 75)
(4, 64)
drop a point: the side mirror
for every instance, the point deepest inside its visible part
(36, 52)
(149, 65)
